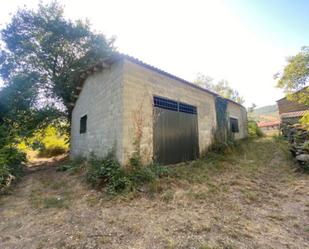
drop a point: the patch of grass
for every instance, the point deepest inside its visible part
(199, 195)
(57, 184)
(168, 195)
(206, 247)
(170, 244)
(54, 202)
(72, 166)
(35, 199)
(38, 199)
(275, 217)
(104, 239)
(201, 228)
(250, 195)
(93, 200)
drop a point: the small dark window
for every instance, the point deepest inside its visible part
(83, 124)
(234, 125)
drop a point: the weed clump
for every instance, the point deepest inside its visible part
(107, 172)
(253, 129)
(11, 160)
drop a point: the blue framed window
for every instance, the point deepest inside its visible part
(187, 108)
(173, 105)
(165, 103)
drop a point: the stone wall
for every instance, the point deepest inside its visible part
(101, 100)
(298, 137)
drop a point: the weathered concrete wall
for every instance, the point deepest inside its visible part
(140, 85)
(240, 113)
(101, 99)
(119, 107)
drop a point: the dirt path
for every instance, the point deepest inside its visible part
(249, 203)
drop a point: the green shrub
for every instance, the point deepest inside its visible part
(306, 146)
(222, 147)
(108, 172)
(72, 166)
(48, 142)
(254, 130)
(305, 120)
(10, 165)
(4, 176)
(53, 143)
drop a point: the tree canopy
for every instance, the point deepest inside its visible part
(41, 56)
(222, 87)
(295, 76)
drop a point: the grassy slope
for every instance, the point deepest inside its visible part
(266, 113)
(250, 198)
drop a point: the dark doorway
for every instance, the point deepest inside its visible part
(175, 134)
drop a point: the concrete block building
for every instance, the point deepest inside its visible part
(126, 105)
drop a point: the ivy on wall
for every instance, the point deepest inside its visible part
(222, 133)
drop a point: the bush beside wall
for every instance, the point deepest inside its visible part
(11, 160)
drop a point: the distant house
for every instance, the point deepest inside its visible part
(269, 126)
(291, 111)
(125, 105)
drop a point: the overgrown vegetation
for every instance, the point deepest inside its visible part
(294, 80)
(42, 54)
(47, 142)
(11, 160)
(222, 88)
(107, 172)
(253, 129)
(222, 137)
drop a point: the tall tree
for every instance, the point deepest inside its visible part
(222, 87)
(295, 76)
(42, 54)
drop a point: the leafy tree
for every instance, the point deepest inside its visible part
(251, 108)
(222, 88)
(41, 56)
(295, 77)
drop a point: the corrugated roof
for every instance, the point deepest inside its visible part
(119, 56)
(268, 124)
(293, 114)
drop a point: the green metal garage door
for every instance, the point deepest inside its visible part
(175, 131)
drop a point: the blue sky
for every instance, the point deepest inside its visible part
(243, 41)
(282, 21)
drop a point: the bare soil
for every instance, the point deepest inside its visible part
(250, 199)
